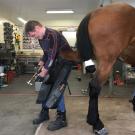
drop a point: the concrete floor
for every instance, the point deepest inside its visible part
(18, 108)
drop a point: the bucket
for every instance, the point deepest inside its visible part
(10, 76)
(1, 69)
(37, 86)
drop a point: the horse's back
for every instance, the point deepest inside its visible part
(112, 17)
(112, 8)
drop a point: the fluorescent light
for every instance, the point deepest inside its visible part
(22, 20)
(59, 11)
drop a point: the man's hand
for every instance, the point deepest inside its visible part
(41, 63)
(43, 72)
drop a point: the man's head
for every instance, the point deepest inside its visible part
(34, 29)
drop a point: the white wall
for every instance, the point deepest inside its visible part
(70, 36)
(1, 33)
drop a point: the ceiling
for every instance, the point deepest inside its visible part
(35, 9)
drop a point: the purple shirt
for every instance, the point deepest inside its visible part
(52, 43)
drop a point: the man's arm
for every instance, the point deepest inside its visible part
(43, 72)
(51, 54)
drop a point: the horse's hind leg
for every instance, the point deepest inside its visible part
(93, 114)
(103, 70)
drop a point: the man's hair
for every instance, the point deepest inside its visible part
(30, 26)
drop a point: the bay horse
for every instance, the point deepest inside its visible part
(105, 34)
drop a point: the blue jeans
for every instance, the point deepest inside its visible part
(60, 106)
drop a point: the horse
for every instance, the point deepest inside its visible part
(105, 34)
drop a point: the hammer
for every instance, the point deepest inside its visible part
(29, 82)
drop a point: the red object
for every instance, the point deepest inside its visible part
(10, 76)
(117, 79)
(79, 67)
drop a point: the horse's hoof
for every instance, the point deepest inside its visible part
(102, 131)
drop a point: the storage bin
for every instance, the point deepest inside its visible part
(1, 69)
(10, 76)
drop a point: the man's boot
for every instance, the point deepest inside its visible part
(59, 123)
(43, 116)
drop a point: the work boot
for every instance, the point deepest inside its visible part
(59, 123)
(43, 116)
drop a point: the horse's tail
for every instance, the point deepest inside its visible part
(83, 42)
